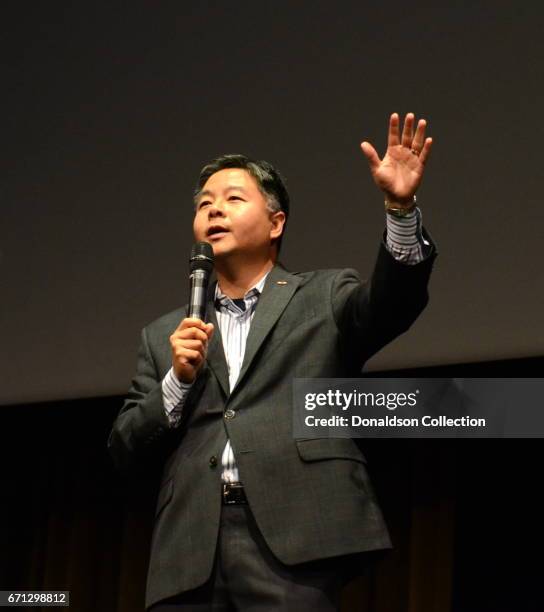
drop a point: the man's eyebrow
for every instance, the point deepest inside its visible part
(203, 193)
(208, 192)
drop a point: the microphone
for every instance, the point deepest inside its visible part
(201, 267)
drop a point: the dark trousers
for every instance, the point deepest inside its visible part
(247, 576)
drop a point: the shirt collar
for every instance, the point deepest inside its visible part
(250, 298)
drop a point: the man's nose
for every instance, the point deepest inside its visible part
(216, 209)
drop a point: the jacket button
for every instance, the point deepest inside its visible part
(213, 461)
(229, 414)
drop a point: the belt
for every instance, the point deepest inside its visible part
(233, 493)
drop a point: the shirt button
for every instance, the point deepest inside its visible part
(213, 461)
(229, 414)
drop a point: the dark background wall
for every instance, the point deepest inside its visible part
(110, 109)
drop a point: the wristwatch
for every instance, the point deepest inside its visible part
(400, 211)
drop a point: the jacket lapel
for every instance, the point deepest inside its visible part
(278, 290)
(216, 356)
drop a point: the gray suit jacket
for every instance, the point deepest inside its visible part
(311, 498)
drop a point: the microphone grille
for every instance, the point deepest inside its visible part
(201, 257)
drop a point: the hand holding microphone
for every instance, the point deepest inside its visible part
(189, 342)
(189, 345)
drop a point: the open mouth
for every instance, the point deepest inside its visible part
(216, 231)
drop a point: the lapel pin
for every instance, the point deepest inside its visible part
(281, 282)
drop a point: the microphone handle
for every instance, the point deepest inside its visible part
(198, 284)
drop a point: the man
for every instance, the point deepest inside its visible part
(247, 517)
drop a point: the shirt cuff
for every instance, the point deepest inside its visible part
(404, 237)
(174, 393)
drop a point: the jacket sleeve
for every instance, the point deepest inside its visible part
(141, 434)
(371, 314)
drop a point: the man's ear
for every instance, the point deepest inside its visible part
(278, 221)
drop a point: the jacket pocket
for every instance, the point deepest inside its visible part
(165, 495)
(329, 448)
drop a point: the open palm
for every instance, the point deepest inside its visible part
(400, 171)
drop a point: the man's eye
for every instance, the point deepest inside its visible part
(235, 198)
(204, 203)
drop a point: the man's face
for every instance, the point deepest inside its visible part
(232, 215)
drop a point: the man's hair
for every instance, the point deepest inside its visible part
(269, 182)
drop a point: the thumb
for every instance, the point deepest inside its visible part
(209, 330)
(371, 155)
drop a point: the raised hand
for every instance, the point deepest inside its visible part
(400, 171)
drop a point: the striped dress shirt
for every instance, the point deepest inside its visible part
(404, 240)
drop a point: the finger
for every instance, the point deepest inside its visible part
(209, 330)
(425, 152)
(189, 356)
(189, 333)
(419, 138)
(192, 333)
(371, 155)
(408, 131)
(194, 345)
(393, 137)
(191, 322)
